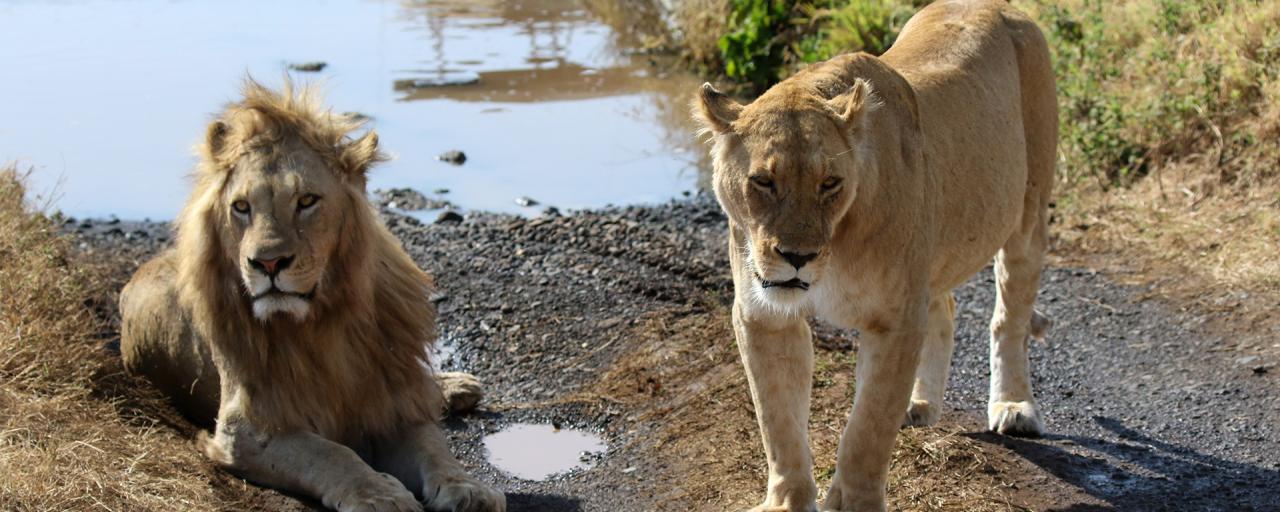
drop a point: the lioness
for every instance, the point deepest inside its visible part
(291, 312)
(863, 190)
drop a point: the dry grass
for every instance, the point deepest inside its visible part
(1196, 210)
(686, 378)
(75, 432)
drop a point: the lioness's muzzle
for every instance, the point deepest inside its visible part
(790, 283)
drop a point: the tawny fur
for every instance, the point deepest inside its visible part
(346, 368)
(864, 189)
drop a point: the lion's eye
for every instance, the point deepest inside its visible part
(830, 183)
(307, 201)
(763, 182)
(240, 206)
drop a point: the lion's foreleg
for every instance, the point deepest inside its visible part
(885, 368)
(306, 463)
(420, 457)
(778, 356)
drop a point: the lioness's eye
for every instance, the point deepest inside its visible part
(307, 201)
(240, 206)
(762, 181)
(830, 183)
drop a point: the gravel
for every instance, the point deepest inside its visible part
(1145, 407)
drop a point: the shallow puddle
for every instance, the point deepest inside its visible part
(536, 452)
(546, 100)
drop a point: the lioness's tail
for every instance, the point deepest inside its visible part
(1040, 325)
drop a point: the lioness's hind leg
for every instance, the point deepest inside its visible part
(462, 391)
(1011, 408)
(935, 364)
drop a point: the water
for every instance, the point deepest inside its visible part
(106, 98)
(536, 452)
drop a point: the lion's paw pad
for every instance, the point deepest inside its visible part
(462, 391)
(1014, 419)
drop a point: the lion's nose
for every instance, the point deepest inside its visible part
(797, 260)
(271, 266)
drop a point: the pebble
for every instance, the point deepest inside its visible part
(308, 67)
(453, 156)
(449, 216)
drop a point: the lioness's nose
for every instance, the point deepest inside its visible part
(796, 259)
(271, 266)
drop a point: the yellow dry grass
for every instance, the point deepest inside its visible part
(75, 432)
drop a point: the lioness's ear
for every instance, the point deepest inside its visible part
(715, 110)
(358, 155)
(852, 106)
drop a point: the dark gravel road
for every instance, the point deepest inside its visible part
(1147, 409)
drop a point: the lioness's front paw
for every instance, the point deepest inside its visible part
(463, 494)
(922, 413)
(379, 493)
(1014, 418)
(462, 391)
(846, 499)
(807, 507)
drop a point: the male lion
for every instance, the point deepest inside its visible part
(862, 191)
(288, 310)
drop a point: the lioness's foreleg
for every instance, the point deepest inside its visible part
(306, 463)
(885, 368)
(421, 459)
(778, 355)
(1011, 408)
(935, 363)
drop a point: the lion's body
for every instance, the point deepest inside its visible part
(295, 316)
(884, 183)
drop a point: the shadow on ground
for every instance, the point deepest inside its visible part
(1138, 472)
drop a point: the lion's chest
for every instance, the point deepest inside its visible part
(346, 391)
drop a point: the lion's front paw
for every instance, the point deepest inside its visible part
(463, 494)
(379, 493)
(1014, 418)
(462, 391)
(922, 413)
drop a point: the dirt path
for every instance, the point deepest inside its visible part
(612, 322)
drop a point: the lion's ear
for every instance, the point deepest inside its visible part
(715, 110)
(215, 140)
(851, 108)
(358, 155)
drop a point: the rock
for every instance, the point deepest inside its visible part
(453, 156)
(408, 199)
(308, 67)
(526, 201)
(440, 80)
(449, 216)
(1261, 369)
(551, 211)
(357, 116)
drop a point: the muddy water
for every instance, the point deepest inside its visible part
(105, 98)
(536, 452)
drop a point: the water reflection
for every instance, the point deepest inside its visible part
(548, 101)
